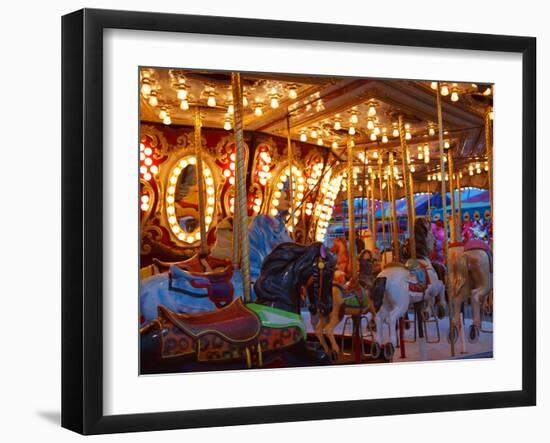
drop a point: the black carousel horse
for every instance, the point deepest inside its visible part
(242, 335)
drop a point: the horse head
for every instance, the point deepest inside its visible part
(291, 266)
(424, 238)
(265, 232)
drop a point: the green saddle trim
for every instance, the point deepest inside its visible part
(353, 302)
(277, 318)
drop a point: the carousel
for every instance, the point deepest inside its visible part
(294, 220)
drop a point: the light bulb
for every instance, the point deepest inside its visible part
(408, 135)
(373, 136)
(167, 120)
(395, 132)
(274, 102)
(377, 130)
(337, 125)
(433, 85)
(454, 96)
(153, 100)
(320, 141)
(303, 137)
(351, 130)
(491, 115)
(487, 91)
(258, 111)
(231, 109)
(375, 154)
(292, 92)
(227, 125)
(372, 111)
(384, 139)
(184, 105)
(245, 101)
(444, 90)
(334, 145)
(431, 131)
(446, 145)
(370, 124)
(182, 93)
(211, 100)
(354, 119)
(162, 114)
(145, 87)
(313, 133)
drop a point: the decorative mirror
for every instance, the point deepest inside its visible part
(182, 199)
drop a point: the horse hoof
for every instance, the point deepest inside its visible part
(375, 350)
(389, 350)
(440, 312)
(453, 335)
(473, 334)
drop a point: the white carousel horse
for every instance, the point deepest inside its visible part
(186, 291)
(396, 287)
(471, 275)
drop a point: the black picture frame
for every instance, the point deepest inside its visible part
(82, 218)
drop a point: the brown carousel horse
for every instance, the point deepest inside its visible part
(349, 299)
(471, 275)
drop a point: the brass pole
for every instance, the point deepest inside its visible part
(452, 192)
(241, 212)
(444, 206)
(382, 215)
(290, 153)
(489, 150)
(395, 243)
(200, 181)
(390, 219)
(459, 215)
(372, 210)
(429, 204)
(351, 215)
(408, 191)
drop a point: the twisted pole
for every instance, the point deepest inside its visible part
(351, 214)
(241, 212)
(408, 191)
(444, 207)
(200, 183)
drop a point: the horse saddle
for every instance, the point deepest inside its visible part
(217, 286)
(472, 245)
(234, 323)
(235, 332)
(419, 278)
(193, 264)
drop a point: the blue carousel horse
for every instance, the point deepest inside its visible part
(191, 292)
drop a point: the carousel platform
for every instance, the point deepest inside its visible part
(414, 350)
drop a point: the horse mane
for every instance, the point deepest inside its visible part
(275, 284)
(421, 229)
(260, 233)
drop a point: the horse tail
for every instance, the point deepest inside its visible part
(378, 291)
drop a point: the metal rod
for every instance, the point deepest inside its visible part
(351, 215)
(290, 153)
(200, 182)
(444, 206)
(408, 191)
(489, 150)
(395, 243)
(241, 211)
(452, 192)
(459, 215)
(382, 215)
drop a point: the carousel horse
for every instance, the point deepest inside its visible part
(398, 285)
(267, 333)
(340, 248)
(351, 298)
(186, 292)
(471, 275)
